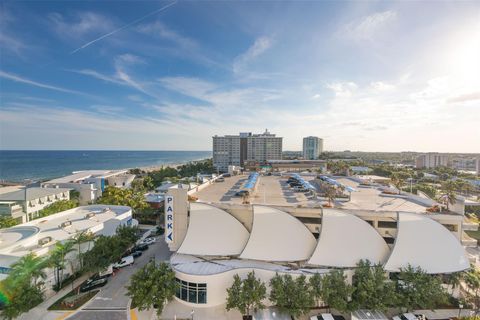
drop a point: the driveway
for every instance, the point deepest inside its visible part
(111, 303)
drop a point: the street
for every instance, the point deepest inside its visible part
(111, 303)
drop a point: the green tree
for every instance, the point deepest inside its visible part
(123, 197)
(137, 186)
(317, 289)
(29, 269)
(152, 286)
(158, 176)
(472, 281)
(148, 183)
(127, 236)
(22, 285)
(79, 239)
(23, 297)
(371, 290)
(418, 290)
(75, 195)
(336, 292)
(330, 193)
(57, 260)
(7, 222)
(105, 251)
(292, 296)
(246, 295)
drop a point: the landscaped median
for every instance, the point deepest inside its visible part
(72, 300)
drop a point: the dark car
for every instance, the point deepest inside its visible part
(241, 193)
(140, 247)
(136, 254)
(92, 283)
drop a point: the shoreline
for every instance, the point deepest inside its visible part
(146, 169)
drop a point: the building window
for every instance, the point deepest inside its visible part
(191, 292)
(387, 224)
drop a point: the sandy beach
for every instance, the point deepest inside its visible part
(171, 165)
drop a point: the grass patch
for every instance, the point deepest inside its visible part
(473, 234)
(70, 302)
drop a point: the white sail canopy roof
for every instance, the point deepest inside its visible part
(346, 239)
(277, 236)
(213, 232)
(425, 243)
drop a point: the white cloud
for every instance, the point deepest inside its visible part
(260, 45)
(16, 78)
(381, 86)
(342, 89)
(80, 25)
(159, 29)
(121, 76)
(368, 27)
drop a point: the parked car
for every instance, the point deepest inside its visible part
(125, 261)
(92, 283)
(326, 316)
(136, 254)
(241, 193)
(107, 272)
(220, 179)
(148, 241)
(140, 247)
(226, 175)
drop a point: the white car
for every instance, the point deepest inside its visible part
(126, 261)
(148, 241)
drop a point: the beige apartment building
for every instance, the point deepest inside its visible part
(237, 150)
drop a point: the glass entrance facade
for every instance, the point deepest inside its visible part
(191, 292)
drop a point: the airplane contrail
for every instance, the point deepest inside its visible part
(123, 27)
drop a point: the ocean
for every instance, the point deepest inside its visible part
(41, 165)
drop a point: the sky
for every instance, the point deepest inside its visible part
(168, 75)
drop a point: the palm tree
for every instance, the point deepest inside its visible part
(78, 240)
(448, 195)
(28, 268)
(398, 180)
(57, 259)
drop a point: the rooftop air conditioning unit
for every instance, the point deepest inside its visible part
(90, 215)
(44, 241)
(66, 224)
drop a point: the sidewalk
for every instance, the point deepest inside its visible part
(40, 312)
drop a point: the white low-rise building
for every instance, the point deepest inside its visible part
(91, 183)
(24, 203)
(40, 236)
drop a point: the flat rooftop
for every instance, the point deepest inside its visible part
(31, 193)
(371, 199)
(81, 175)
(274, 190)
(21, 239)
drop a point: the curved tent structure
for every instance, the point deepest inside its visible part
(425, 243)
(346, 239)
(277, 236)
(213, 232)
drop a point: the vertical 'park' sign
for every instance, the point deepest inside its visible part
(169, 219)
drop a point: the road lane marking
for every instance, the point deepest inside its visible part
(63, 316)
